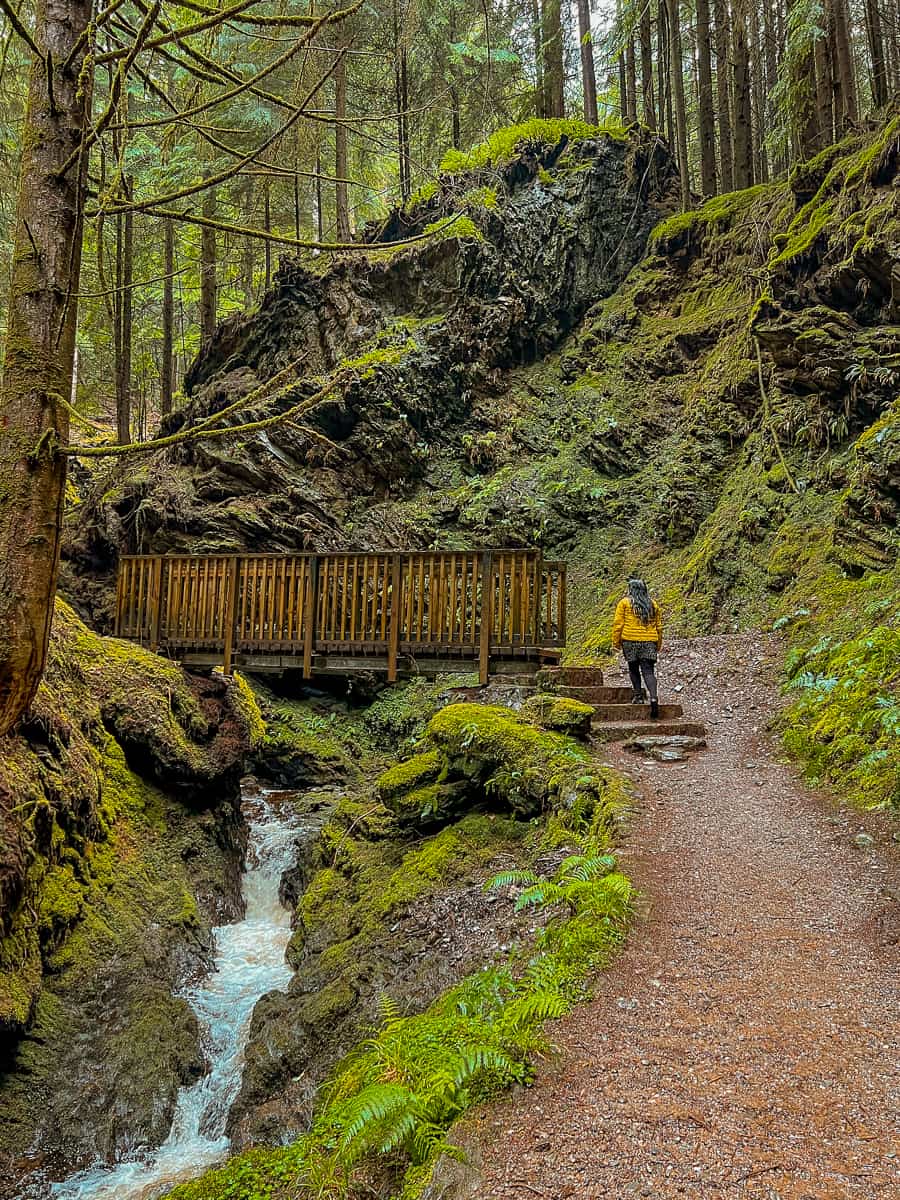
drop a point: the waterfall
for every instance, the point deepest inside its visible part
(249, 961)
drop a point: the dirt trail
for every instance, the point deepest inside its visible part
(747, 1043)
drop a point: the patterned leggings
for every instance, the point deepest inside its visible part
(648, 669)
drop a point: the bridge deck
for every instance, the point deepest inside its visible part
(404, 613)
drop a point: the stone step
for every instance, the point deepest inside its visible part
(622, 731)
(550, 679)
(635, 712)
(595, 694)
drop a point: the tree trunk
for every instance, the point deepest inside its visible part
(630, 82)
(452, 34)
(647, 66)
(705, 101)
(817, 127)
(743, 137)
(40, 347)
(588, 75)
(539, 97)
(341, 160)
(757, 77)
(320, 216)
(877, 55)
(676, 72)
(208, 285)
(554, 70)
(267, 226)
(126, 328)
(770, 53)
(248, 250)
(662, 70)
(402, 86)
(847, 113)
(723, 95)
(166, 365)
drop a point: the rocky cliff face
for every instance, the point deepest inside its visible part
(122, 843)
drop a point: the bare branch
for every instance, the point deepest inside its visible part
(19, 28)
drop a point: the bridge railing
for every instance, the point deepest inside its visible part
(466, 605)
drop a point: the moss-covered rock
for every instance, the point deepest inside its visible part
(109, 888)
(559, 714)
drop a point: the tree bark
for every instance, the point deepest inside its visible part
(402, 93)
(723, 95)
(588, 74)
(757, 78)
(208, 282)
(875, 38)
(539, 97)
(126, 327)
(676, 73)
(743, 136)
(341, 158)
(847, 112)
(554, 70)
(267, 225)
(167, 350)
(646, 34)
(817, 124)
(630, 82)
(248, 250)
(40, 347)
(705, 101)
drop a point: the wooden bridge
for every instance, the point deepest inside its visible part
(419, 613)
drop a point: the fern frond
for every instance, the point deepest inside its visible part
(373, 1106)
(508, 878)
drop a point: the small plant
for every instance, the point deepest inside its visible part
(582, 883)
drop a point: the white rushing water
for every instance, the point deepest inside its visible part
(249, 961)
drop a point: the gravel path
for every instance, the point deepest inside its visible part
(746, 1042)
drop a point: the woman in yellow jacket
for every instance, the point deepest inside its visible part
(637, 632)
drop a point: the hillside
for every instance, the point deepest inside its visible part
(711, 404)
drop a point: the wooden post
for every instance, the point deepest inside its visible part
(396, 610)
(156, 603)
(487, 615)
(538, 600)
(310, 606)
(229, 625)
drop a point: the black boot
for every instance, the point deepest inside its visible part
(654, 710)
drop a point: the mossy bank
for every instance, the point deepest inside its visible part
(122, 846)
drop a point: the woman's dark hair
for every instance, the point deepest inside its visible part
(639, 596)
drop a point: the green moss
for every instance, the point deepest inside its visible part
(810, 224)
(719, 212)
(480, 197)
(452, 855)
(409, 775)
(246, 704)
(503, 146)
(559, 713)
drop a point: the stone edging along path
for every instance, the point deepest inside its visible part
(747, 1042)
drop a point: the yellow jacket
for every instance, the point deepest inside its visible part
(628, 627)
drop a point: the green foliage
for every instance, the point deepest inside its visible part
(843, 716)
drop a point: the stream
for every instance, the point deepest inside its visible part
(249, 962)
